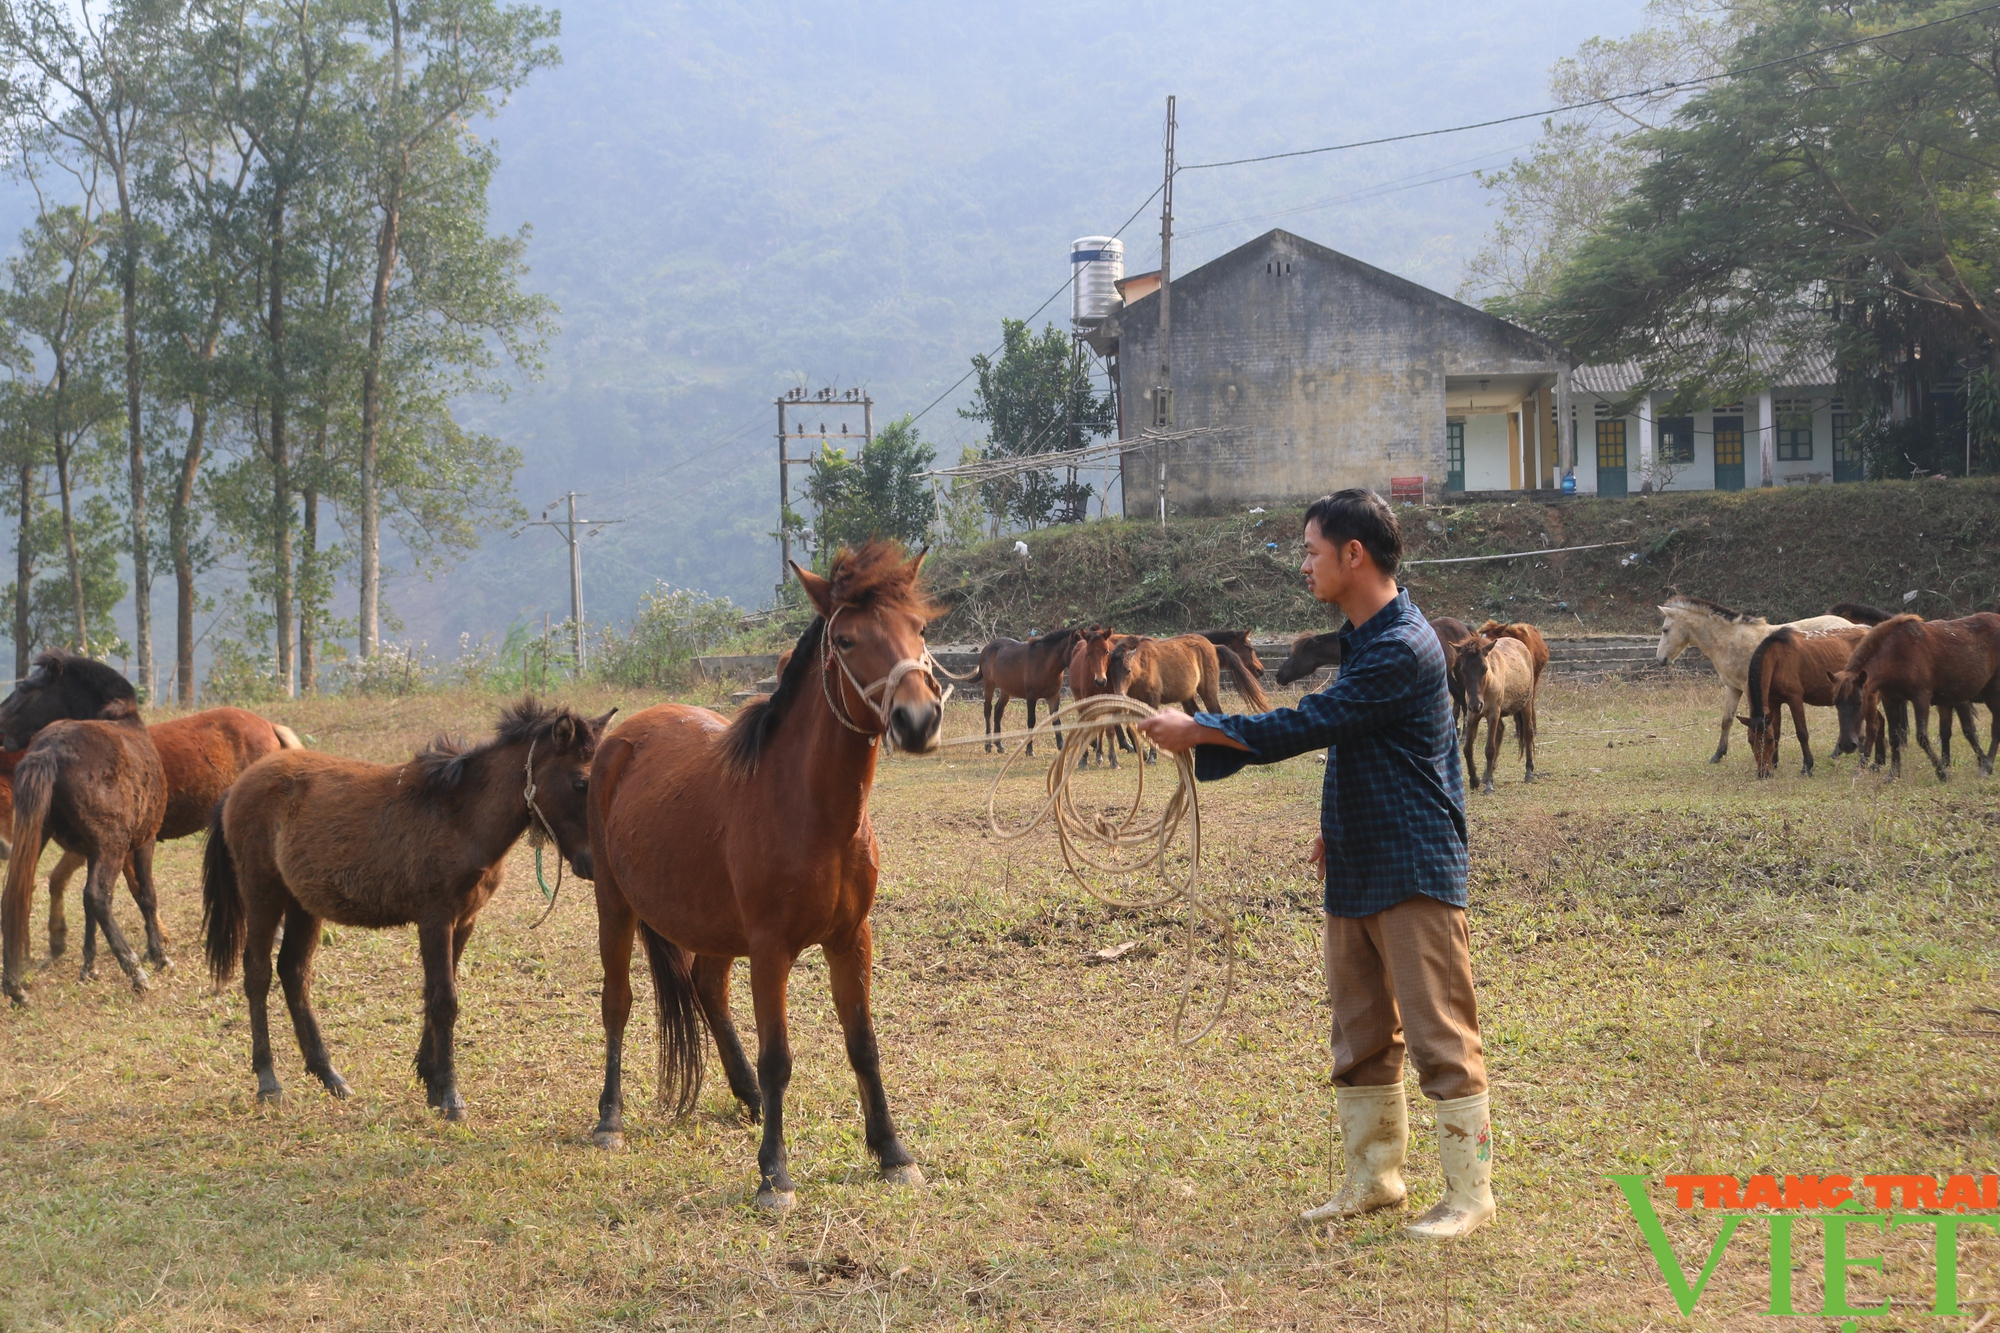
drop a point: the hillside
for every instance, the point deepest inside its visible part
(1782, 553)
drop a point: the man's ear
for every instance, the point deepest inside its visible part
(817, 588)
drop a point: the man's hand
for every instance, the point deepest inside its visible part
(1174, 731)
(1317, 857)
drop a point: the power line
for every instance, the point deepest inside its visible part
(1655, 90)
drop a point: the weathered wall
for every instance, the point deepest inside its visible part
(1316, 370)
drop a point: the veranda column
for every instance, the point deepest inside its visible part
(1646, 433)
(1565, 427)
(1767, 441)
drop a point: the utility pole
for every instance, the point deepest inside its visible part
(798, 400)
(566, 527)
(1163, 393)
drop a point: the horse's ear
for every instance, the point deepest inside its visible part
(817, 588)
(917, 562)
(564, 733)
(598, 724)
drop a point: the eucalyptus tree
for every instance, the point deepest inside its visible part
(84, 80)
(440, 65)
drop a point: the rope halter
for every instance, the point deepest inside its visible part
(881, 694)
(540, 835)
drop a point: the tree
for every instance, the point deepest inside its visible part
(469, 56)
(1564, 190)
(882, 493)
(1036, 399)
(84, 81)
(1847, 197)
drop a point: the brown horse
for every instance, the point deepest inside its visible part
(1907, 660)
(1793, 668)
(1088, 663)
(1498, 677)
(200, 755)
(715, 840)
(1010, 669)
(95, 787)
(302, 838)
(1310, 652)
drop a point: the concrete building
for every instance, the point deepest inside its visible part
(1305, 370)
(1298, 370)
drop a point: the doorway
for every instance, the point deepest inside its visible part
(1611, 458)
(1729, 453)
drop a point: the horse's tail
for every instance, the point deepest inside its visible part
(681, 1050)
(1247, 683)
(1760, 687)
(34, 784)
(221, 901)
(287, 738)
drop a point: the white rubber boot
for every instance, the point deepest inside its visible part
(1374, 1132)
(1465, 1143)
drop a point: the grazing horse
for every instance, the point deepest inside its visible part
(302, 838)
(1309, 653)
(1498, 676)
(1011, 669)
(714, 840)
(1793, 668)
(1859, 612)
(200, 755)
(1907, 660)
(91, 780)
(1727, 638)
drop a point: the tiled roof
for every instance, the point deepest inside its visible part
(1617, 378)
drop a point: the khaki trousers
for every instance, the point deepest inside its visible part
(1405, 975)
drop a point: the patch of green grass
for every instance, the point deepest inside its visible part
(1680, 969)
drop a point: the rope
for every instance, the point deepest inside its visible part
(539, 836)
(1080, 833)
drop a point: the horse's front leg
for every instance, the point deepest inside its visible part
(1735, 697)
(770, 975)
(848, 972)
(1805, 741)
(434, 1053)
(59, 879)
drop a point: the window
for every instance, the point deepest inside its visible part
(1793, 417)
(1676, 439)
(1611, 444)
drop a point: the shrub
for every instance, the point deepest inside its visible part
(673, 627)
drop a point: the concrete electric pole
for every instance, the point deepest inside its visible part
(567, 528)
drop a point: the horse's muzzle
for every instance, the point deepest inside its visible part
(914, 727)
(580, 863)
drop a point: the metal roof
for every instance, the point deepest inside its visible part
(1615, 379)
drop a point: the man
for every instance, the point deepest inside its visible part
(1392, 853)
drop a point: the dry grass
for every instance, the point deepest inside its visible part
(1681, 969)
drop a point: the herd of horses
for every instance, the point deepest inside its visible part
(1870, 666)
(709, 839)
(1495, 673)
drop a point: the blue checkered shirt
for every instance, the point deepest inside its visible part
(1393, 806)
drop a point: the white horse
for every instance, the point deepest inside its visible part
(1727, 638)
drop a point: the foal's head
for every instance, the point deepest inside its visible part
(873, 612)
(62, 685)
(1093, 654)
(1471, 670)
(1851, 707)
(552, 749)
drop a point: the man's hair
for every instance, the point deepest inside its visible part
(1360, 516)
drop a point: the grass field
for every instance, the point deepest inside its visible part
(1681, 969)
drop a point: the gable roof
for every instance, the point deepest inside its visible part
(1280, 241)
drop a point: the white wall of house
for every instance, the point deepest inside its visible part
(1486, 452)
(1816, 464)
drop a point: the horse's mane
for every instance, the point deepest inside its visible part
(1689, 601)
(1859, 612)
(98, 678)
(1873, 641)
(441, 765)
(874, 574)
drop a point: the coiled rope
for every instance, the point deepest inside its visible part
(1122, 845)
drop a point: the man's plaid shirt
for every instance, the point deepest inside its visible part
(1393, 807)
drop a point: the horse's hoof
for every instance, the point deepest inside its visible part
(1715, 759)
(455, 1114)
(909, 1173)
(271, 1096)
(771, 1200)
(336, 1085)
(160, 962)
(58, 945)
(610, 1140)
(88, 972)
(140, 983)
(15, 992)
